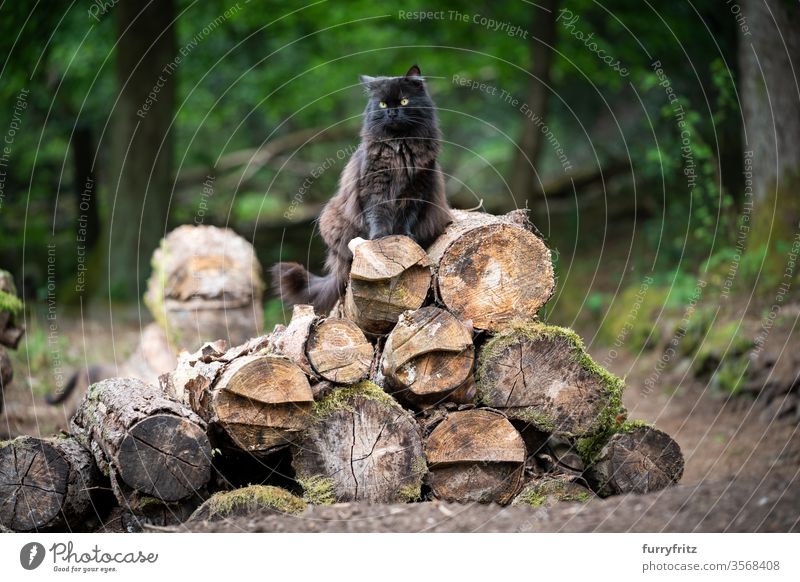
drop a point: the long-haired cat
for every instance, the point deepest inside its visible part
(391, 185)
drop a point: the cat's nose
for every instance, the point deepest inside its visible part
(393, 113)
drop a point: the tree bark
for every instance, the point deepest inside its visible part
(360, 446)
(524, 179)
(771, 111)
(641, 460)
(388, 276)
(542, 374)
(475, 456)
(146, 441)
(46, 484)
(428, 355)
(142, 142)
(491, 270)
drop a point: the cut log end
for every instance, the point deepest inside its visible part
(641, 460)
(165, 456)
(339, 351)
(475, 456)
(541, 374)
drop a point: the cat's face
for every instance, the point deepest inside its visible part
(398, 105)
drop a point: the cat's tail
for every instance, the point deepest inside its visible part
(296, 286)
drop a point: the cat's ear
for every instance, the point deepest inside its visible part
(414, 72)
(366, 80)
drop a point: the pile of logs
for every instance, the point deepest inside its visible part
(432, 378)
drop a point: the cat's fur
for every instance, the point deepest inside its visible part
(391, 185)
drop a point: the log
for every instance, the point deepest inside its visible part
(388, 276)
(427, 356)
(547, 490)
(542, 374)
(338, 351)
(247, 500)
(360, 446)
(206, 285)
(149, 443)
(475, 456)
(291, 340)
(491, 270)
(260, 401)
(639, 460)
(46, 484)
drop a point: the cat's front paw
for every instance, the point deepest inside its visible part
(354, 243)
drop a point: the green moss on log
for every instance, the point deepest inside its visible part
(317, 490)
(342, 398)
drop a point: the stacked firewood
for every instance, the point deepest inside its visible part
(432, 378)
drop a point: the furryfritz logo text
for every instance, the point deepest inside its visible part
(31, 555)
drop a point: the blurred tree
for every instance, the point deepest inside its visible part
(142, 140)
(769, 60)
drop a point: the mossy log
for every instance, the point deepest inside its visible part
(247, 500)
(542, 374)
(640, 460)
(428, 355)
(388, 276)
(46, 484)
(475, 456)
(206, 285)
(151, 444)
(261, 401)
(360, 446)
(547, 490)
(10, 308)
(491, 270)
(339, 351)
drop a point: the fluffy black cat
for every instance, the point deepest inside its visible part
(391, 185)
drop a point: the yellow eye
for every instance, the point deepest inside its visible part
(404, 101)
(382, 104)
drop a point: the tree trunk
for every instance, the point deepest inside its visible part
(360, 446)
(141, 178)
(83, 154)
(147, 442)
(524, 178)
(491, 270)
(206, 285)
(475, 456)
(641, 460)
(428, 355)
(46, 484)
(388, 276)
(771, 111)
(338, 351)
(541, 374)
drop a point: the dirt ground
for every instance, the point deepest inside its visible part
(741, 472)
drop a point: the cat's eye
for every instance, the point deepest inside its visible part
(403, 101)
(382, 104)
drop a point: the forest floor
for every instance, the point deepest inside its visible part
(742, 464)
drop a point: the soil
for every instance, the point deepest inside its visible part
(742, 461)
